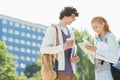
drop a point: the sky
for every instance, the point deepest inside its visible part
(46, 12)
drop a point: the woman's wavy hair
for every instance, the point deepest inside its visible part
(100, 20)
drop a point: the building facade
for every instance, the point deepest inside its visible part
(23, 40)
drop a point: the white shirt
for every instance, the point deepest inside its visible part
(65, 30)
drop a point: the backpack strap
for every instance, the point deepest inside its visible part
(106, 37)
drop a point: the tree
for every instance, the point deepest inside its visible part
(31, 70)
(84, 69)
(37, 76)
(7, 67)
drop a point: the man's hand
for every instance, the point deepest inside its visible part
(68, 44)
(74, 59)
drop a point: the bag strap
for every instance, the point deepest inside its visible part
(105, 39)
(57, 38)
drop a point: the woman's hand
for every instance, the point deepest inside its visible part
(90, 47)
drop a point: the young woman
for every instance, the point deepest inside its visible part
(105, 48)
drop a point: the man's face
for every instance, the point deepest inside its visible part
(70, 19)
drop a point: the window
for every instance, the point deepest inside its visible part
(28, 58)
(22, 58)
(22, 49)
(44, 31)
(16, 57)
(28, 28)
(33, 52)
(17, 25)
(28, 43)
(28, 35)
(22, 42)
(28, 50)
(23, 26)
(11, 39)
(17, 41)
(4, 30)
(17, 32)
(39, 30)
(33, 29)
(39, 38)
(10, 31)
(34, 44)
(16, 49)
(38, 45)
(34, 36)
(23, 34)
(10, 47)
(4, 21)
(11, 23)
(4, 38)
(22, 65)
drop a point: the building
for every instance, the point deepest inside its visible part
(23, 40)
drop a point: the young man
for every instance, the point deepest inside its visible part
(66, 45)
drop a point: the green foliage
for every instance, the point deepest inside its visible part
(23, 77)
(7, 67)
(31, 70)
(37, 76)
(84, 69)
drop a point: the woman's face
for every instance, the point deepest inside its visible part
(98, 27)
